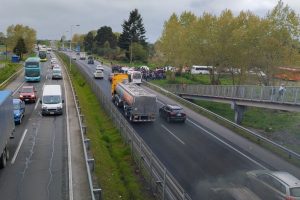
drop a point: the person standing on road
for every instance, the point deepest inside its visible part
(281, 91)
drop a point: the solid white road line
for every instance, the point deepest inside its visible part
(177, 138)
(18, 148)
(18, 88)
(226, 144)
(223, 142)
(36, 104)
(69, 145)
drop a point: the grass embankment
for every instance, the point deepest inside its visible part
(114, 167)
(8, 69)
(258, 118)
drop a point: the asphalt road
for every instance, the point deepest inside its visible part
(194, 152)
(38, 167)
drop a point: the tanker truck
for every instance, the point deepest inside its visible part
(138, 104)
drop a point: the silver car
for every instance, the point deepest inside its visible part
(274, 185)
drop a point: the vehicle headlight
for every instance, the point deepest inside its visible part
(44, 107)
(21, 96)
(32, 95)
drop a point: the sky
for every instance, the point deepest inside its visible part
(54, 18)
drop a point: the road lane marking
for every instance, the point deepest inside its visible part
(36, 104)
(69, 144)
(226, 144)
(18, 148)
(223, 142)
(177, 138)
(18, 88)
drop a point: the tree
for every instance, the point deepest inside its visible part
(20, 48)
(20, 31)
(105, 34)
(2, 38)
(138, 52)
(133, 32)
(88, 41)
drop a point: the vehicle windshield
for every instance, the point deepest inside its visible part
(54, 99)
(31, 65)
(16, 106)
(295, 192)
(27, 90)
(137, 76)
(32, 73)
(42, 54)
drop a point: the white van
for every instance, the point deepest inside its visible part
(201, 69)
(52, 102)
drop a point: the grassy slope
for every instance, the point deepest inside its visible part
(263, 119)
(114, 168)
(8, 70)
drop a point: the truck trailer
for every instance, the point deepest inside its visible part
(138, 104)
(7, 124)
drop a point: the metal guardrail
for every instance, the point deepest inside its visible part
(261, 138)
(12, 77)
(94, 191)
(161, 182)
(266, 94)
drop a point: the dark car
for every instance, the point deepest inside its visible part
(19, 110)
(28, 94)
(90, 60)
(172, 113)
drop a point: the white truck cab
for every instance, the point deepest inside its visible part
(52, 102)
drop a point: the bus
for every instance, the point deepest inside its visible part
(201, 69)
(288, 73)
(32, 69)
(43, 55)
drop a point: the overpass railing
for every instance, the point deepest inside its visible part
(291, 95)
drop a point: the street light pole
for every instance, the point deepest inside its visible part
(71, 43)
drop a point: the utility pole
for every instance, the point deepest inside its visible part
(70, 56)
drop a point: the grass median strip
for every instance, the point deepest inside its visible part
(114, 169)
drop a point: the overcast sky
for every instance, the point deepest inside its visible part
(53, 18)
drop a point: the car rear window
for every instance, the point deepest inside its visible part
(177, 110)
(295, 192)
(27, 90)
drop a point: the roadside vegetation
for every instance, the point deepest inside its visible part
(8, 69)
(114, 168)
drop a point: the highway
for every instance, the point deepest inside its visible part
(37, 167)
(199, 153)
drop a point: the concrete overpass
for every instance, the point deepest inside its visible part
(242, 96)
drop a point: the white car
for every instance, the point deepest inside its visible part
(99, 74)
(99, 67)
(56, 66)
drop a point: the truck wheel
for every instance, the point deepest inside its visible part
(3, 159)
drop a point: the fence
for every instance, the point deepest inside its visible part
(171, 94)
(162, 184)
(270, 94)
